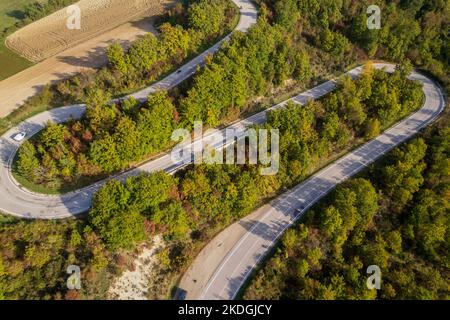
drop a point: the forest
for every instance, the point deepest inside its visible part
(185, 208)
(398, 210)
(395, 216)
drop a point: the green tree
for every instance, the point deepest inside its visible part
(27, 163)
(173, 218)
(127, 140)
(174, 41)
(143, 53)
(104, 153)
(372, 128)
(117, 58)
(123, 229)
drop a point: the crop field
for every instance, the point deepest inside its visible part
(50, 36)
(85, 50)
(10, 62)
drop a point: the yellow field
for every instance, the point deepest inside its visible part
(50, 35)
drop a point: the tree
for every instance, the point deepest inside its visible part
(331, 221)
(330, 126)
(372, 129)
(117, 58)
(206, 16)
(118, 223)
(286, 13)
(404, 68)
(27, 163)
(430, 222)
(173, 218)
(302, 268)
(174, 41)
(404, 178)
(150, 191)
(104, 153)
(53, 135)
(366, 202)
(111, 198)
(302, 68)
(155, 123)
(289, 239)
(124, 229)
(394, 241)
(127, 140)
(143, 53)
(99, 112)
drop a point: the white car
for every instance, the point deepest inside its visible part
(20, 136)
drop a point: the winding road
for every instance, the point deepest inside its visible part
(224, 265)
(18, 201)
(227, 261)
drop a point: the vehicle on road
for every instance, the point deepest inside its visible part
(20, 136)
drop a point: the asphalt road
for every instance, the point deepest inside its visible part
(245, 243)
(16, 200)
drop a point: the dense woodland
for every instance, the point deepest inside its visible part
(397, 213)
(395, 216)
(186, 207)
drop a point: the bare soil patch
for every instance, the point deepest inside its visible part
(133, 283)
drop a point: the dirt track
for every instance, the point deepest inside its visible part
(49, 36)
(87, 55)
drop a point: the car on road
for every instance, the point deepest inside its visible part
(180, 294)
(179, 71)
(20, 136)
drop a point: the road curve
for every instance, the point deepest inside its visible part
(227, 261)
(16, 200)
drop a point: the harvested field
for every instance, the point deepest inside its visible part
(50, 35)
(85, 56)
